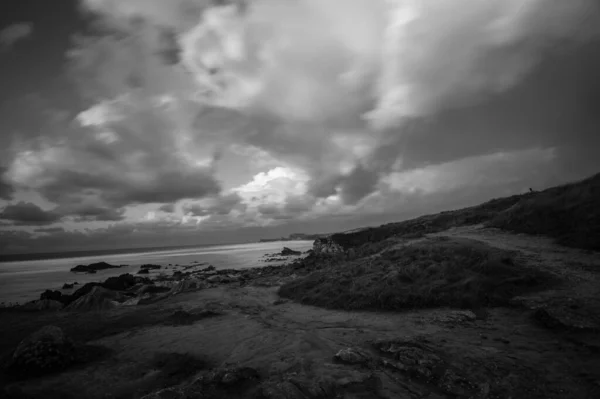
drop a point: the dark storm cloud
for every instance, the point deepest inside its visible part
(28, 214)
(554, 105)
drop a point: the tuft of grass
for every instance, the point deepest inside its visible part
(456, 273)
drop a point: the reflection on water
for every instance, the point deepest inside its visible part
(25, 280)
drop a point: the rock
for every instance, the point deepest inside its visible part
(150, 267)
(326, 245)
(187, 285)
(412, 356)
(281, 390)
(181, 317)
(42, 305)
(121, 283)
(215, 279)
(91, 272)
(99, 298)
(288, 252)
(352, 356)
(47, 350)
(51, 295)
(93, 267)
(566, 318)
(144, 271)
(210, 268)
(67, 286)
(86, 288)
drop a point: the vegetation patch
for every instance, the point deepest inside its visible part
(435, 272)
(569, 213)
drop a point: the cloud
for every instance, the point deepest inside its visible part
(15, 33)
(6, 189)
(167, 208)
(222, 205)
(28, 214)
(127, 153)
(50, 230)
(408, 81)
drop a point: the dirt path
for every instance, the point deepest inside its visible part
(503, 354)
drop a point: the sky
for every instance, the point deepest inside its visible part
(136, 123)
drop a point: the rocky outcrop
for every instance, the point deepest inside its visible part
(326, 245)
(232, 382)
(122, 282)
(67, 286)
(150, 267)
(45, 351)
(93, 267)
(414, 358)
(187, 285)
(289, 252)
(51, 295)
(98, 298)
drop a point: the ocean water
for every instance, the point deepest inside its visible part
(22, 281)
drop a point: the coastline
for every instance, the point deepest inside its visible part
(24, 280)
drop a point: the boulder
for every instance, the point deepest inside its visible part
(67, 286)
(98, 298)
(143, 271)
(86, 288)
(288, 252)
(47, 350)
(352, 356)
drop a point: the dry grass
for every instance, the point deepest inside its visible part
(456, 273)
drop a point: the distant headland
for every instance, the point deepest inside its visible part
(295, 237)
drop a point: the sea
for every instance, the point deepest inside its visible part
(23, 280)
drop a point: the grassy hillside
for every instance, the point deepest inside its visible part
(569, 213)
(379, 268)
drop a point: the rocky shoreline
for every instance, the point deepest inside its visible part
(153, 283)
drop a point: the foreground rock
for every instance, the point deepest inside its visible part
(414, 358)
(93, 267)
(242, 382)
(45, 351)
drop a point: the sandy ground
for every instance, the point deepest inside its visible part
(503, 350)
